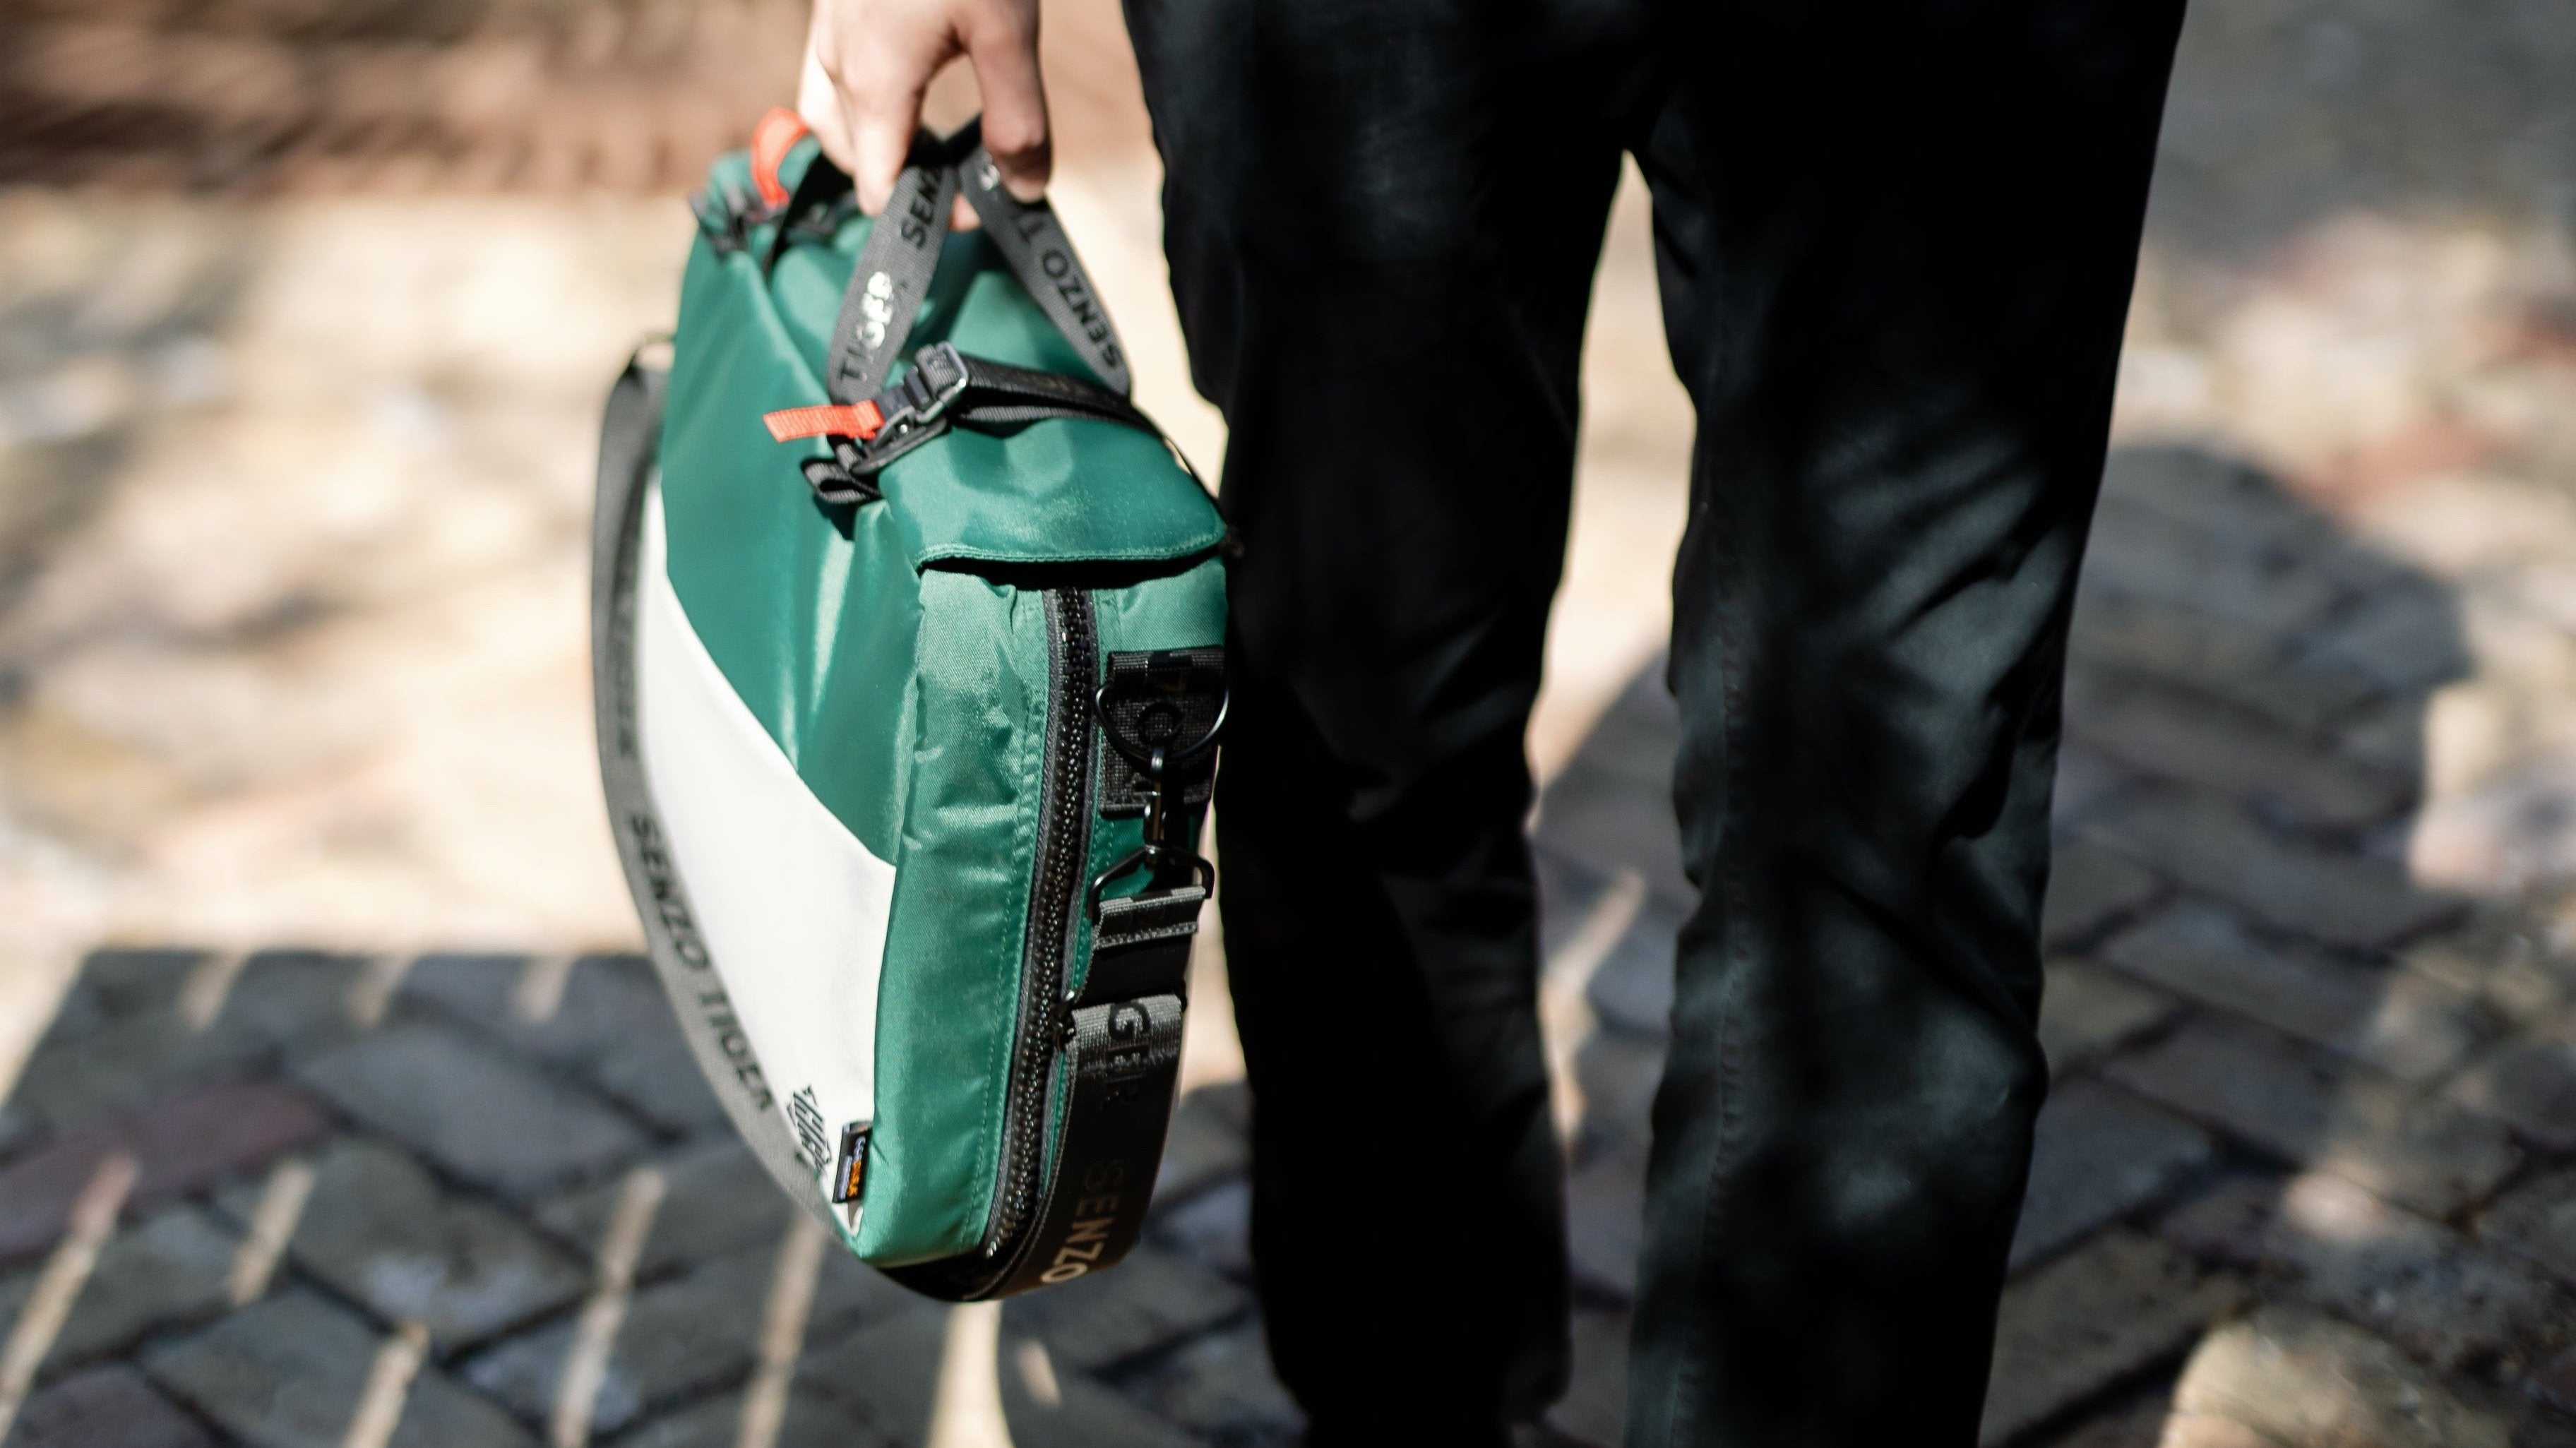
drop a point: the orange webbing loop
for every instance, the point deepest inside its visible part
(860, 420)
(780, 129)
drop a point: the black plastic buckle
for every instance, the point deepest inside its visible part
(1155, 765)
(914, 410)
(938, 378)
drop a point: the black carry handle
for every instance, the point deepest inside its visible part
(895, 266)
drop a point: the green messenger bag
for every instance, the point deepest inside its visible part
(907, 635)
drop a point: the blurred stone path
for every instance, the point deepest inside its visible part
(363, 1130)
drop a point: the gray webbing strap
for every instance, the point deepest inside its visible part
(895, 266)
(629, 433)
(892, 276)
(1041, 256)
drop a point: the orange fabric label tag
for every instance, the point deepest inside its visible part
(859, 420)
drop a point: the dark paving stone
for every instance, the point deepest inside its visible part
(125, 1065)
(2185, 736)
(2417, 1283)
(1618, 1075)
(1632, 991)
(2090, 887)
(115, 984)
(2227, 1222)
(2407, 639)
(2530, 1085)
(1613, 801)
(850, 1294)
(2137, 1421)
(1605, 1199)
(476, 1111)
(716, 1201)
(1220, 1387)
(613, 1026)
(889, 1376)
(1594, 1409)
(1208, 1142)
(379, 1229)
(2306, 1108)
(2409, 1025)
(1151, 1299)
(2092, 1319)
(812, 1421)
(182, 1146)
(2175, 641)
(609, 1002)
(287, 1373)
(2538, 1221)
(1212, 1229)
(167, 1269)
(682, 1338)
(2210, 539)
(657, 1077)
(2214, 847)
(2087, 1012)
(281, 1001)
(2100, 1155)
(108, 1407)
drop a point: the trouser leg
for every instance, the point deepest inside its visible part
(1896, 243)
(1397, 366)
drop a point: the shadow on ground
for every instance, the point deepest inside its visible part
(2305, 1114)
(2305, 1111)
(505, 1174)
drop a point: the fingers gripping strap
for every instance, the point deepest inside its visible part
(1041, 256)
(892, 276)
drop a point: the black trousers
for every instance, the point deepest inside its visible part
(1895, 241)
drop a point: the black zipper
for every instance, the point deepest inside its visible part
(1064, 843)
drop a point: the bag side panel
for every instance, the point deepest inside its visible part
(948, 1001)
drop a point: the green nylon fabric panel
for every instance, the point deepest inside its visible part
(913, 702)
(975, 744)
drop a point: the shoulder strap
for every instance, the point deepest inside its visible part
(629, 433)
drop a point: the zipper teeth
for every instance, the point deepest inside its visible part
(1062, 840)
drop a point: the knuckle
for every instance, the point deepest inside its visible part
(1015, 138)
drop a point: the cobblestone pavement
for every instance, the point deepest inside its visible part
(291, 510)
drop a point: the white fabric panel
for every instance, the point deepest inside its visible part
(792, 906)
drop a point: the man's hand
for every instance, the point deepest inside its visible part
(868, 62)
